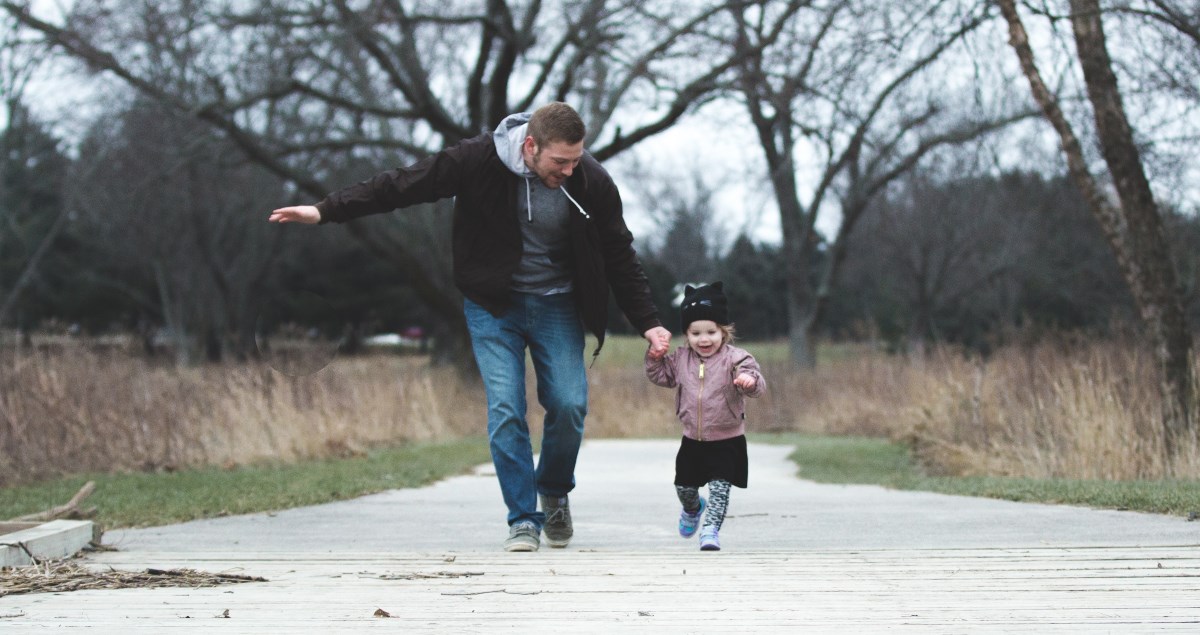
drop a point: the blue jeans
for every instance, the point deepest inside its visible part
(549, 326)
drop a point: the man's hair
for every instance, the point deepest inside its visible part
(556, 121)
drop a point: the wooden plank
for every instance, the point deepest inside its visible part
(1033, 590)
(50, 540)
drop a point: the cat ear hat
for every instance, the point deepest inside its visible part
(706, 302)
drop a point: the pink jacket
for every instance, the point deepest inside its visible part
(707, 402)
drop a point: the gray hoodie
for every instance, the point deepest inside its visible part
(545, 266)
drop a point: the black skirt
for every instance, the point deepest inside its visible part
(699, 462)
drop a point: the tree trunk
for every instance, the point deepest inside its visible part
(796, 256)
(172, 318)
(801, 325)
(1134, 229)
(1154, 282)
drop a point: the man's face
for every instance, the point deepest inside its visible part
(554, 162)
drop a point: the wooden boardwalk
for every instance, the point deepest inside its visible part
(1036, 590)
(799, 557)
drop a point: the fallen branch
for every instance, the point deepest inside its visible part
(69, 510)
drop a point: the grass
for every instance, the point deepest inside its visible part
(849, 460)
(861, 460)
(148, 499)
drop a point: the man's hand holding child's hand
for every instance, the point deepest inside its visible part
(660, 342)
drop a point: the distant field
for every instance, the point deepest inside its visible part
(623, 350)
(1086, 412)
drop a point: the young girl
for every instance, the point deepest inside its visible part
(711, 377)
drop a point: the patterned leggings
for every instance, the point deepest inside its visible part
(718, 501)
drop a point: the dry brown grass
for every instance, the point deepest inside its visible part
(1054, 411)
(78, 410)
(854, 396)
(1087, 411)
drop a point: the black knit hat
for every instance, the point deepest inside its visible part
(704, 303)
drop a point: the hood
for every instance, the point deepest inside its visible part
(508, 137)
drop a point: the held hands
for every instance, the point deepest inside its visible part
(306, 214)
(660, 342)
(744, 381)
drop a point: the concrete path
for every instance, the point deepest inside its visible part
(624, 500)
(797, 557)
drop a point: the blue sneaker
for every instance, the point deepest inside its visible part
(689, 522)
(708, 540)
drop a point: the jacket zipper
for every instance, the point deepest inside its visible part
(700, 405)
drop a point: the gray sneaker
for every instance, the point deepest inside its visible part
(523, 536)
(558, 521)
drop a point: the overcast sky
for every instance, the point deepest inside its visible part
(717, 143)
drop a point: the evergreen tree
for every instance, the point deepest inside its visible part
(32, 216)
(756, 287)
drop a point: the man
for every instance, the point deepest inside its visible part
(539, 240)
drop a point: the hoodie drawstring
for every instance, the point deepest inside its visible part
(577, 205)
(529, 201)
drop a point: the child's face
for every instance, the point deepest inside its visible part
(705, 337)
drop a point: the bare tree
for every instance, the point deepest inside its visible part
(162, 195)
(1174, 15)
(309, 87)
(839, 81)
(1132, 224)
(946, 249)
(1156, 50)
(689, 229)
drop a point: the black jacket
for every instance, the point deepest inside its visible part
(487, 238)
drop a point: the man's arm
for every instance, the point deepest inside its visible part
(433, 178)
(622, 267)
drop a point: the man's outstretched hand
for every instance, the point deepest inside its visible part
(660, 342)
(306, 214)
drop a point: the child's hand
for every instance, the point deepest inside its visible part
(744, 381)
